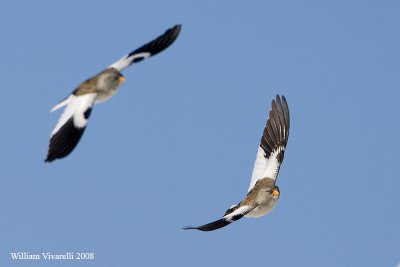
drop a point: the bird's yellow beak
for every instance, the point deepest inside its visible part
(275, 193)
(121, 79)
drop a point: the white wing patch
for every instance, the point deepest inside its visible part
(127, 60)
(264, 167)
(61, 104)
(77, 106)
(240, 211)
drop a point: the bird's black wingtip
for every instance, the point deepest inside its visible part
(189, 228)
(50, 158)
(177, 27)
(63, 142)
(279, 97)
(159, 44)
(211, 226)
(174, 32)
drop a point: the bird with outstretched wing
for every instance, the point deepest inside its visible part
(262, 194)
(72, 123)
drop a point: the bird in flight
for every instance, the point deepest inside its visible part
(72, 123)
(263, 194)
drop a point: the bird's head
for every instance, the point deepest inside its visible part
(110, 79)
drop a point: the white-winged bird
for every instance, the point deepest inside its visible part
(263, 194)
(72, 123)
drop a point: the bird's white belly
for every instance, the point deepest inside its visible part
(259, 211)
(104, 95)
(262, 209)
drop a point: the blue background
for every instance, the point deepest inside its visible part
(176, 145)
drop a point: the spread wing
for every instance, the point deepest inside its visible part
(149, 49)
(273, 142)
(233, 214)
(70, 126)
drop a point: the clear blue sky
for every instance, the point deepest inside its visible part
(176, 145)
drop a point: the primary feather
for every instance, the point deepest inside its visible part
(273, 142)
(70, 127)
(150, 49)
